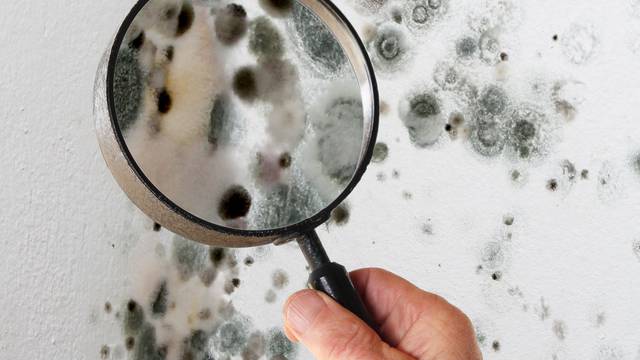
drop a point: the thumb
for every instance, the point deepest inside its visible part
(331, 332)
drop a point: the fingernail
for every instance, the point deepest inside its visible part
(302, 309)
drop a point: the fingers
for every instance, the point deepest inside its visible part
(418, 323)
(331, 332)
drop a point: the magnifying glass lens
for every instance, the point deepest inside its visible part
(246, 114)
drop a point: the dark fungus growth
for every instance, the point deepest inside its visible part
(164, 101)
(169, 53)
(423, 120)
(107, 307)
(584, 174)
(568, 169)
(487, 136)
(187, 256)
(129, 343)
(235, 203)
(466, 47)
(277, 7)
(138, 41)
(145, 345)
(220, 123)
(380, 152)
(208, 276)
(248, 261)
(279, 279)
(496, 275)
(496, 345)
(340, 215)
(524, 131)
(396, 15)
(635, 163)
(560, 329)
(133, 318)
(555, 37)
(157, 227)
(127, 87)
(159, 300)
(104, 352)
(255, 347)
(515, 175)
(231, 337)
(285, 160)
(389, 44)
(235, 282)
(231, 24)
(270, 296)
(552, 185)
(278, 345)
(185, 18)
(508, 220)
(504, 56)
(217, 256)
(245, 84)
(264, 39)
(493, 100)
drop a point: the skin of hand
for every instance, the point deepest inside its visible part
(413, 324)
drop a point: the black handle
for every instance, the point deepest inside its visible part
(332, 278)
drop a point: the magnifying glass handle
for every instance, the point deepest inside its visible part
(332, 278)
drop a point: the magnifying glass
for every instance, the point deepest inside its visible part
(240, 123)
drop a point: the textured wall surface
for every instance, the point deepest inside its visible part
(528, 221)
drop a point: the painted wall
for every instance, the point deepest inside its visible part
(540, 246)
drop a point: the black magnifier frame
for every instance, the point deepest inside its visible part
(326, 276)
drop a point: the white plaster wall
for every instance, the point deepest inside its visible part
(67, 231)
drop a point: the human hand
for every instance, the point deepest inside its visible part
(414, 324)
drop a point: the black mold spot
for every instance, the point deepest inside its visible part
(231, 337)
(508, 220)
(127, 88)
(264, 39)
(584, 174)
(107, 307)
(157, 227)
(235, 203)
(278, 345)
(285, 160)
(159, 300)
(277, 7)
(279, 279)
(217, 256)
(231, 24)
(248, 261)
(340, 215)
(495, 345)
(504, 56)
(515, 175)
(496, 275)
(245, 84)
(133, 318)
(104, 352)
(396, 16)
(220, 124)
(466, 47)
(236, 282)
(129, 343)
(380, 152)
(138, 41)
(560, 329)
(552, 185)
(164, 101)
(493, 100)
(448, 127)
(169, 53)
(317, 41)
(555, 37)
(185, 19)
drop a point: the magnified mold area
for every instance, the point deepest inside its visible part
(244, 115)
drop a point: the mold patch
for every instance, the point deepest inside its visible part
(231, 24)
(422, 115)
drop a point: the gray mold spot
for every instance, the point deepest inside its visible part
(422, 115)
(133, 318)
(466, 47)
(560, 329)
(279, 279)
(159, 300)
(493, 100)
(487, 135)
(231, 337)
(127, 88)
(380, 152)
(390, 47)
(317, 41)
(270, 296)
(340, 215)
(265, 40)
(188, 256)
(279, 346)
(220, 123)
(255, 348)
(492, 255)
(231, 24)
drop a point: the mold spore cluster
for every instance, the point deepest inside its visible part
(181, 308)
(205, 88)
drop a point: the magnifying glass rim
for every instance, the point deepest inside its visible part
(297, 228)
